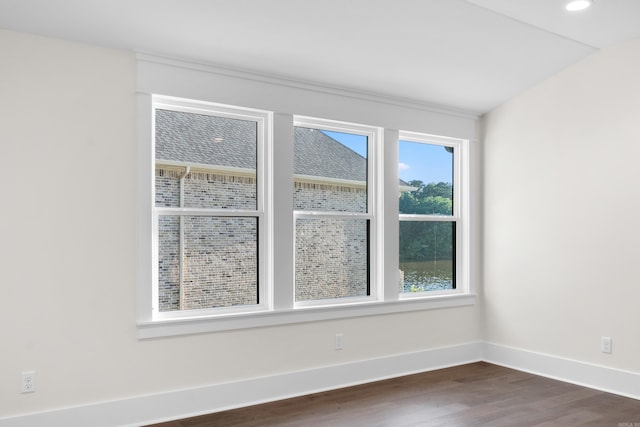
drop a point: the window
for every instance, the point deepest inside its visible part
(228, 241)
(210, 208)
(334, 213)
(431, 207)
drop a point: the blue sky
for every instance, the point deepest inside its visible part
(425, 162)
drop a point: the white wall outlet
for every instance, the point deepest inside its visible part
(339, 341)
(605, 344)
(28, 382)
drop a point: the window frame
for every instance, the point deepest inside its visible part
(261, 213)
(282, 309)
(459, 215)
(372, 214)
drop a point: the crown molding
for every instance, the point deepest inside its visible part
(281, 80)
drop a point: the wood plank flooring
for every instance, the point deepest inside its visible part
(478, 394)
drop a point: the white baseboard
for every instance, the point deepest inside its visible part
(171, 405)
(598, 377)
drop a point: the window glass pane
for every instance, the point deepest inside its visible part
(168, 263)
(220, 152)
(426, 178)
(207, 262)
(330, 171)
(427, 256)
(331, 258)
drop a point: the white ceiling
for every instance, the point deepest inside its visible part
(471, 55)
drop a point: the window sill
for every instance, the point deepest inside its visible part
(196, 325)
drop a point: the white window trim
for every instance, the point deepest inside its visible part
(281, 308)
(196, 325)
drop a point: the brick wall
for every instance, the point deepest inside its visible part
(332, 198)
(331, 258)
(219, 267)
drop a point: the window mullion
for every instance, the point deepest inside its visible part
(283, 220)
(390, 244)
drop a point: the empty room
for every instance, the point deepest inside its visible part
(295, 212)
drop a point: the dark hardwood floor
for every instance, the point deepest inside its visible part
(478, 394)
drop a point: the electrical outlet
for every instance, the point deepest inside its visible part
(339, 341)
(28, 382)
(605, 344)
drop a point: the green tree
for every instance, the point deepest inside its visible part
(427, 199)
(427, 241)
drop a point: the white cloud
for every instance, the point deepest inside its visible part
(403, 167)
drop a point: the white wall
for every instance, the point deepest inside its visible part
(561, 209)
(67, 247)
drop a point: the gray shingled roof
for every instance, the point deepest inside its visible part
(192, 138)
(317, 154)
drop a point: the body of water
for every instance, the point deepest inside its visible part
(427, 275)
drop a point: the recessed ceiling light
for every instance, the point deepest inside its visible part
(577, 5)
